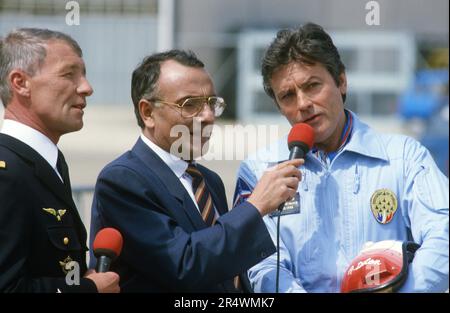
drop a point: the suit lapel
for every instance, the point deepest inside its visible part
(157, 166)
(192, 212)
(48, 176)
(186, 212)
(43, 171)
(171, 182)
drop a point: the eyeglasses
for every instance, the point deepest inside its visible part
(190, 107)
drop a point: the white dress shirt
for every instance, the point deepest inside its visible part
(177, 165)
(33, 138)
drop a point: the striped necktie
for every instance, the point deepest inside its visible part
(202, 195)
(205, 205)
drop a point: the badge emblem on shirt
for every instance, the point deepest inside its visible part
(383, 204)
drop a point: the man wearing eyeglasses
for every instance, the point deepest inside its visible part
(171, 211)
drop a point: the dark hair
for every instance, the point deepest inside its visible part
(308, 44)
(146, 75)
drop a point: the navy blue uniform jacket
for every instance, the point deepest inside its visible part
(167, 246)
(40, 228)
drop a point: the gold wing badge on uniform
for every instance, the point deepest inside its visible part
(58, 214)
(61, 214)
(383, 204)
(2, 165)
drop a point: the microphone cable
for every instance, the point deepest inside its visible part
(300, 141)
(277, 283)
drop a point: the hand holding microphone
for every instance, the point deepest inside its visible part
(277, 184)
(107, 247)
(280, 182)
(300, 141)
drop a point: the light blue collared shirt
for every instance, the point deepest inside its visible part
(335, 219)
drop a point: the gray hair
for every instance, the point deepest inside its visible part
(25, 49)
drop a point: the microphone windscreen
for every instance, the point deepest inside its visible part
(108, 239)
(301, 132)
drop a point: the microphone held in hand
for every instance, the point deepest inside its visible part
(107, 247)
(300, 140)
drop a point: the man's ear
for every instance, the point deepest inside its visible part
(20, 83)
(146, 113)
(343, 83)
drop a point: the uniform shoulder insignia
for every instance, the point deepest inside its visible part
(2, 165)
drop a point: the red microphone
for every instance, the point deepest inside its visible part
(300, 140)
(107, 247)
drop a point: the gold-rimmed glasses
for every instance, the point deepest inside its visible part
(190, 107)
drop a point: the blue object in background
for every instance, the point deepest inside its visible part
(427, 94)
(426, 99)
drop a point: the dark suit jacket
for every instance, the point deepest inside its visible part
(167, 246)
(32, 240)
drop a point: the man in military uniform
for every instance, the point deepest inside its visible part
(43, 88)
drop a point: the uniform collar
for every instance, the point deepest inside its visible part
(33, 138)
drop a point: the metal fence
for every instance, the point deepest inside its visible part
(82, 196)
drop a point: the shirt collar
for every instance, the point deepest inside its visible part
(345, 137)
(366, 141)
(33, 138)
(363, 140)
(177, 165)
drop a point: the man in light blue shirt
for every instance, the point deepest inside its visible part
(350, 170)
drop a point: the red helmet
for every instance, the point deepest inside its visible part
(379, 267)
